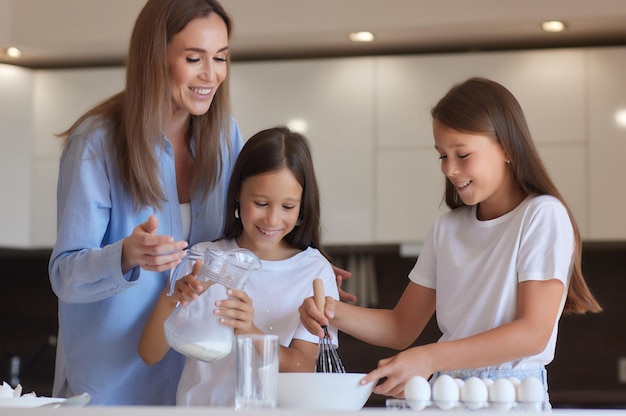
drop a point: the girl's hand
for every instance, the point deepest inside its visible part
(188, 288)
(146, 249)
(237, 312)
(397, 370)
(313, 319)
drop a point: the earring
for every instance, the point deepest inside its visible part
(508, 162)
(237, 212)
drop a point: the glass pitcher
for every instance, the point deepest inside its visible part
(193, 329)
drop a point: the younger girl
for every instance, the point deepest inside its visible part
(275, 213)
(499, 268)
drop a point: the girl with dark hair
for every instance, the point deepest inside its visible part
(273, 210)
(499, 268)
(142, 175)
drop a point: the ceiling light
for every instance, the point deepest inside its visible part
(361, 36)
(13, 52)
(298, 125)
(620, 118)
(553, 26)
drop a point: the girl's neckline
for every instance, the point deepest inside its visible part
(502, 217)
(286, 253)
(515, 200)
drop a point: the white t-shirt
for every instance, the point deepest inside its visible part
(475, 267)
(277, 290)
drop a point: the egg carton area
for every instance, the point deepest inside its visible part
(414, 405)
(447, 393)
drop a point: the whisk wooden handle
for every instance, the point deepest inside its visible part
(318, 294)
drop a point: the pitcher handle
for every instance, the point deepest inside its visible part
(174, 274)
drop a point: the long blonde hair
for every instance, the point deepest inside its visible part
(482, 106)
(137, 112)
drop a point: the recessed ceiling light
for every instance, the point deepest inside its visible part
(361, 36)
(298, 125)
(620, 118)
(13, 52)
(553, 26)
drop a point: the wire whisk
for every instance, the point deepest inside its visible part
(328, 360)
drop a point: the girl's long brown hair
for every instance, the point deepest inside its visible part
(270, 150)
(482, 106)
(137, 113)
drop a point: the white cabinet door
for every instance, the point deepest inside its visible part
(60, 97)
(334, 98)
(409, 193)
(368, 120)
(550, 86)
(16, 121)
(607, 145)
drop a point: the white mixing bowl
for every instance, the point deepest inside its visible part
(322, 391)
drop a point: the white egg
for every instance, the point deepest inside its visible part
(459, 382)
(502, 394)
(417, 392)
(474, 393)
(445, 392)
(488, 382)
(516, 382)
(531, 389)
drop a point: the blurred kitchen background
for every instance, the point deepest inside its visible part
(365, 108)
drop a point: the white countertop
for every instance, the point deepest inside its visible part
(205, 411)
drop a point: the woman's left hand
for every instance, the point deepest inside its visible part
(237, 312)
(340, 276)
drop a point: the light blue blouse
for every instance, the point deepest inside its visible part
(102, 311)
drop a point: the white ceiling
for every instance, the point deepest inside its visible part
(55, 33)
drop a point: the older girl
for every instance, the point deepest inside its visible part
(499, 268)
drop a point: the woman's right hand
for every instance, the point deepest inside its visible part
(313, 319)
(146, 249)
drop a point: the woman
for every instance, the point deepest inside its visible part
(142, 175)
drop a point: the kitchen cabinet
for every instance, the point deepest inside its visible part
(16, 120)
(409, 192)
(607, 144)
(551, 88)
(334, 99)
(369, 125)
(583, 373)
(60, 97)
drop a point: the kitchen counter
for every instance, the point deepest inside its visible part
(204, 411)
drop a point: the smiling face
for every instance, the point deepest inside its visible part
(269, 205)
(198, 63)
(477, 167)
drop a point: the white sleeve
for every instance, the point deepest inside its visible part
(547, 245)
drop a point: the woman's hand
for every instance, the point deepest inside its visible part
(340, 276)
(146, 249)
(237, 312)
